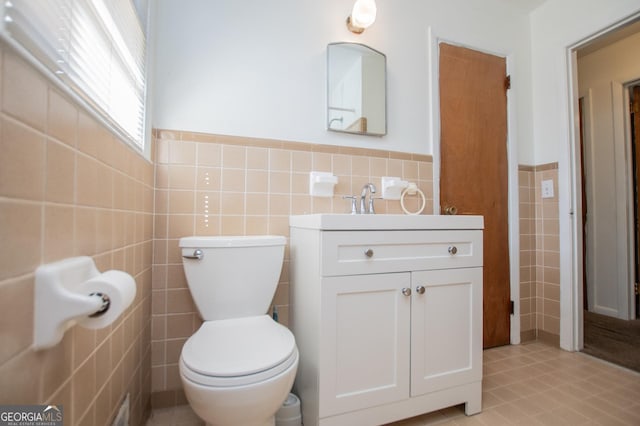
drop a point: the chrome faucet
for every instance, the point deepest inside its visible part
(371, 188)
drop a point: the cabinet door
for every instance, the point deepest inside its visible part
(364, 341)
(446, 329)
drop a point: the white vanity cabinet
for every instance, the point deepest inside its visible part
(388, 320)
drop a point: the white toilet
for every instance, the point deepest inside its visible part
(238, 368)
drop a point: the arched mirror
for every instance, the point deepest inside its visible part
(356, 89)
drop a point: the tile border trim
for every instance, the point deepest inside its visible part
(186, 136)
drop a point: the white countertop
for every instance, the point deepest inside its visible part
(381, 222)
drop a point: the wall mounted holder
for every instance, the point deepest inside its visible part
(73, 291)
(321, 184)
(392, 187)
(412, 189)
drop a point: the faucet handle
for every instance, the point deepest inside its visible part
(353, 198)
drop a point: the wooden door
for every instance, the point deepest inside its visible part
(364, 342)
(446, 325)
(474, 175)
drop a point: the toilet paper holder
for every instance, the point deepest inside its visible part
(106, 302)
(63, 298)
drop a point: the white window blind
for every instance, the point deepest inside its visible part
(96, 47)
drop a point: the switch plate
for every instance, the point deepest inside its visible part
(547, 188)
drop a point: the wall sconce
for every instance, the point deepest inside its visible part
(362, 16)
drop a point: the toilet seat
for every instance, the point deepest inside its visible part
(222, 382)
(238, 352)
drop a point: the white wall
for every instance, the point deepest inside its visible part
(602, 76)
(619, 61)
(555, 26)
(258, 68)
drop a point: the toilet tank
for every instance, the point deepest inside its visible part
(232, 277)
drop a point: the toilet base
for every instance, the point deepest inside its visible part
(271, 422)
(249, 405)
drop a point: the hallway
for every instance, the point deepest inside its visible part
(612, 339)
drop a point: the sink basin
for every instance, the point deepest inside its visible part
(363, 222)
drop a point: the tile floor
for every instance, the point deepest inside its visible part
(530, 384)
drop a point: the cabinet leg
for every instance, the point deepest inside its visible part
(473, 406)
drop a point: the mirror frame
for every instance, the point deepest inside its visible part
(328, 119)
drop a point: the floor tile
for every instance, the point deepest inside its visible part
(531, 385)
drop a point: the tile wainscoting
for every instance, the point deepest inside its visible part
(68, 187)
(539, 255)
(223, 185)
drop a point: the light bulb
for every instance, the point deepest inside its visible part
(364, 13)
(362, 16)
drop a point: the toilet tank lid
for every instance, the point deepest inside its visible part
(233, 241)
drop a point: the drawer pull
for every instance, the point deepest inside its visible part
(453, 250)
(406, 291)
(420, 289)
(368, 253)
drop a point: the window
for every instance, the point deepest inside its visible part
(95, 47)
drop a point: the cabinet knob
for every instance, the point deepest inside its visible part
(453, 250)
(406, 291)
(368, 253)
(420, 289)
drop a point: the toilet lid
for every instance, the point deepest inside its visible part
(238, 347)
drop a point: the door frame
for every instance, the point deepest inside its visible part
(621, 113)
(571, 312)
(433, 99)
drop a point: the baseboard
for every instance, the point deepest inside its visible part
(549, 338)
(169, 398)
(527, 336)
(540, 335)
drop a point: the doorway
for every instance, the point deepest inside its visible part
(474, 167)
(609, 166)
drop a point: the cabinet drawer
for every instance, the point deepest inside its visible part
(367, 252)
